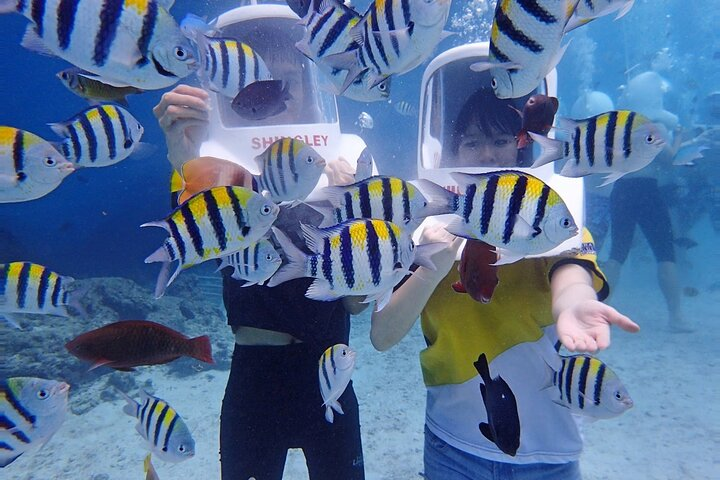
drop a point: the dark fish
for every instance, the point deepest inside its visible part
(300, 7)
(685, 242)
(478, 277)
(503, 427)
(691, 292)
(538, 115)
(82, 84)
(127, 344)
(261, 99)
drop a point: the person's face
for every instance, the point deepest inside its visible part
(477, 149)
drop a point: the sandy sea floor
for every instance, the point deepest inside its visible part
(673, 432)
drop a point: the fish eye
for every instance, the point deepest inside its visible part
(650, 138)
(49, 161)
(181, 448)
(180, 53)
(412, 245)
(266, 209)
(618, 395)
(531, 101)
(309, 160)
(64, 75)
(565, 222)
(43, 394)
(268, 257)
(494, 83)
(382, 87)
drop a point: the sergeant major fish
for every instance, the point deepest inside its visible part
(503, 423)
(99, 136)
(385, 198)
(31, 288)
(395, 36)
(166, 434)
(514, 211)
(289, 169)
(123, 42)
(30, 167)
(335, 368)
(211, 224)
(617, 143)
(525, 44)
(254, 264)
(588, 10)
(31, 411)
(357, 257)
(588, 387)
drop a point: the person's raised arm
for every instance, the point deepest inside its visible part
(582, 322)
(393, 322)
(183, 117)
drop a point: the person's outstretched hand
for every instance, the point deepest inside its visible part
(445, 258)
(585, 327)
(339, 172)
(183, 116)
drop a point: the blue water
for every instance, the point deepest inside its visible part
(89, 226)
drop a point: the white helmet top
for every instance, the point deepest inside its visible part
(456, 105)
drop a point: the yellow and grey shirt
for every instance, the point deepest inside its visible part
(516, 333)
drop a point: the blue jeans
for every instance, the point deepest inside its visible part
(445, 462)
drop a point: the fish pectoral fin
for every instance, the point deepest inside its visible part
(32, 41)
(11, 318)
(522, 229)
(5, 462)
(130, 54)
(459, 228)
(381, 299)
(613, 177)
(487, 431)
(506, 257)
(99, 363)
(321, 290)
(329, 415)
(337, 407)
(573, 171)
(558, 402)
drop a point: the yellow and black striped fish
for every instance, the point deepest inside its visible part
(124, 42)
(211, 224)
(617, 143)
(30, 167)
(525, 44)
(357, 257)
(335, 368)
(228, 65)
(254, 264)
(395, 36)
(386, 198)
(289, 169)
(99, 136)
(514, 211)
(31, 288)
(160, 425)
(31, 411)
(588, 387)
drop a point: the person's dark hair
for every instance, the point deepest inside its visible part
(490, 113)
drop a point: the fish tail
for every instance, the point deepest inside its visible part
(551, 149)
(482, 368)
(163, 281)
(296, 258)
(201, 349)
(329, 415)
(440, 200)
(159, 255)
(8, 6)
(131, 406)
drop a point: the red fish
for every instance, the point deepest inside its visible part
(127, 344)
(538, 115)
(478, 277)
(204, 173)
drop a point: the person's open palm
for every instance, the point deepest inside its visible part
(586, 326)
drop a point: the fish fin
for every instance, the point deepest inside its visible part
(550, 149)
(483, 368)
(523, 139)
(303, 47)
(225, 262)
(357, 32)
(32, 41)
(560, 402)
(465, 179)
(337, 407)
(329, 415)
(575, 22)
(159, 255)
(166, 4)
(201, 349)
(11, 318)
(506, 257)
(446, 34)
(458, 287)
(346, 61)
(487, 431)
(424, 253)
(522, 229)
(321, 290)
(99, 363)
(60, 129)
(158, 223)
(161, 285)
(558, 56)
(334, 194)
(130, 408)
(328, 213)
(625, 9)
(130, 54)
(247, 283)
(459, 228)
(566, 126)
(572, 170)
(4, 463)
(364, 165)
(315, 237)
(295, 258)
(613, 177)
(440, 200)
(381, 299)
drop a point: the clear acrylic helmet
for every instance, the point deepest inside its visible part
(454, 103)
(311, 115)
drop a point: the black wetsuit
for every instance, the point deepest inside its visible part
(272, 399)
(639, 201)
